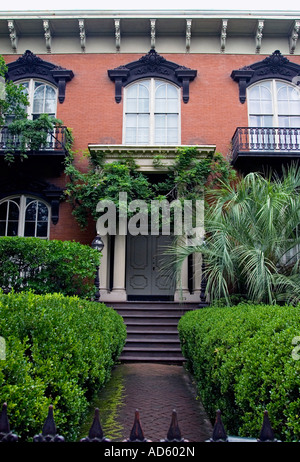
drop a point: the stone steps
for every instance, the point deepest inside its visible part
(152, 334)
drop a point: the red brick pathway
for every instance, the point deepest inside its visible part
(155, 390)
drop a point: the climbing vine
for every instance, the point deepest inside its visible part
(187, 178)
(189, 175)
(29, 135)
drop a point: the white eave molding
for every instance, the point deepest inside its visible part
(144, 156)
(278, 14)
(228, 26)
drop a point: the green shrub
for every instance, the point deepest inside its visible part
(47, 266)
(242, 361)
(59, 350)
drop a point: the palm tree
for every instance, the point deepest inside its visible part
(252, 244)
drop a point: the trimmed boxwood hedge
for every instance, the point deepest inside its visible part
(241, 358)
(60, 351)
(46, 266)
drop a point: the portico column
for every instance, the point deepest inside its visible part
(182, 288)
(197, 256)
(104, 269)
(197, 267)
(119, 291)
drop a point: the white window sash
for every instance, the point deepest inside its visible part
(31, 89)
(152, 116)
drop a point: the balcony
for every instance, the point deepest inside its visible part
(43, 159)
(255, 147)
(54, 144)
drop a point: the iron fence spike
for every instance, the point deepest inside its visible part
(266, 433)
(96, 430)
(5, 433)
(4, 423)
(49, 427)
(219, 433)
(137, 433)
(174, 433)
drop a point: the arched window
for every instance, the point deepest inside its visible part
(152, 113)
(42, 98)
(273, 103)
(24, 216)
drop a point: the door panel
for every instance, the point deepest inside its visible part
(146, 274)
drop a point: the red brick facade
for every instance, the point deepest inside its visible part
(209, 118)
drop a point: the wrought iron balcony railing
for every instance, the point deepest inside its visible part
(257, 141)
(54, 142)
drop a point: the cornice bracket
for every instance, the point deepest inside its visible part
(47, 34)
(223, 34)
(188, 35)
(13, 35)
(118, 34)
(259, 35)
(82, 34)
(152, 32)
(294, 36)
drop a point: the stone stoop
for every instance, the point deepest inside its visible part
(152, 334)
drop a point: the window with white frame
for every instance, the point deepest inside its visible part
(42, 98)
(274, 103)
(24, 216)
(151, 113)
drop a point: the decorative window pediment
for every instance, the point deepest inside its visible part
(275, 66)
(30, 66)
(152, 65)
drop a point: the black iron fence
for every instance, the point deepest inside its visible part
(265, 140)
(173, 435)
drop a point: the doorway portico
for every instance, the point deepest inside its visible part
(133, 267)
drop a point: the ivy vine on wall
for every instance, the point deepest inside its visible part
(187, 178)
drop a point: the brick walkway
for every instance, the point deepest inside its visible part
(155, 390)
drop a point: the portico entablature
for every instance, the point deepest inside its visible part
(147, 158)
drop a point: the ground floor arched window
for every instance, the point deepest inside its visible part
(24, 215)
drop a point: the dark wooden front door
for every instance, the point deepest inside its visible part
(148, 276)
